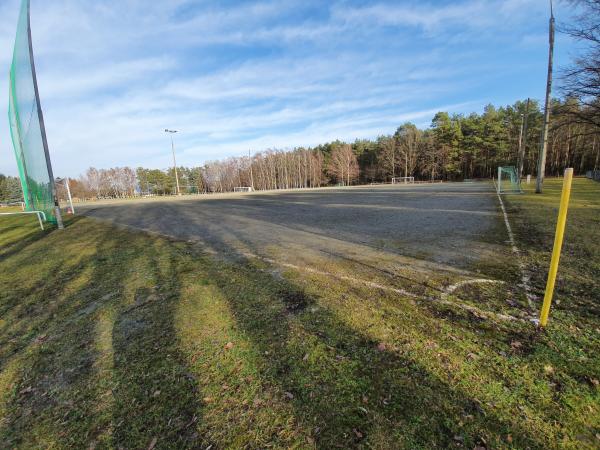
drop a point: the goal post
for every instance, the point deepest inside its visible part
(508, 180)
(403, 180)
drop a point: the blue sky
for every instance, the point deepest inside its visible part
(235, 76)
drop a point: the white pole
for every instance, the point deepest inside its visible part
(40, 221)
(499, 178)
(69, 195)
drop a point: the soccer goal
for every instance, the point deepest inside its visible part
(508, 181)
(243, 189)
(403, 180)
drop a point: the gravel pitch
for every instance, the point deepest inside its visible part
(451, 225)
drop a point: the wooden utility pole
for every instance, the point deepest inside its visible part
(544, 143)
(523, 140)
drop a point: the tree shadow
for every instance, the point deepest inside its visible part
(87, 370)
(110, 370)
(155, 395)
(345, 387)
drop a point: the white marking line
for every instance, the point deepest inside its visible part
(473, 309)
(442, 300)
(525, 278)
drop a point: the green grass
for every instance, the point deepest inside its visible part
(116, 339)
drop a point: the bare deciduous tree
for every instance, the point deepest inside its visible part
(343, 165)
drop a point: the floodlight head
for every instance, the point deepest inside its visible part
(170, 131)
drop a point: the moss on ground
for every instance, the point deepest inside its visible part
(116, 339)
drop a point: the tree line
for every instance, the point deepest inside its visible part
(454, 147)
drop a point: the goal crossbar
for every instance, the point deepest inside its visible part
(405, 180)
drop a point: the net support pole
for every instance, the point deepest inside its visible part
(558, 241)
(39, 216)
(69, 195)
(42, 126)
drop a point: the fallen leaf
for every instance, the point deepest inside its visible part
(357, 433)
(153, 443)
(289, 395)
(509, 439)
(515, 345)
(207, 399)
(382, 347)
(548, 369)
(229, 346)
(156, 394)
(305, 357)
(41, 339)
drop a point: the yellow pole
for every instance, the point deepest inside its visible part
(558, 241)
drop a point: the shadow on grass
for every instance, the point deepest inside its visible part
(346, 389)
(106, 366)
(97, 367)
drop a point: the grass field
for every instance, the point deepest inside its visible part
(115, 338)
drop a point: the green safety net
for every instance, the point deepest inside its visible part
(26, 124)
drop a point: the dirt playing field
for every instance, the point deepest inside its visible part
(444, 223)
(423, 233)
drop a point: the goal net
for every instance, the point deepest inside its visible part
(508, 181)
(242, 189)
(27, 126)
(403, 180)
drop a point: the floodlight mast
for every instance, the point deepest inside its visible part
(172, 132)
